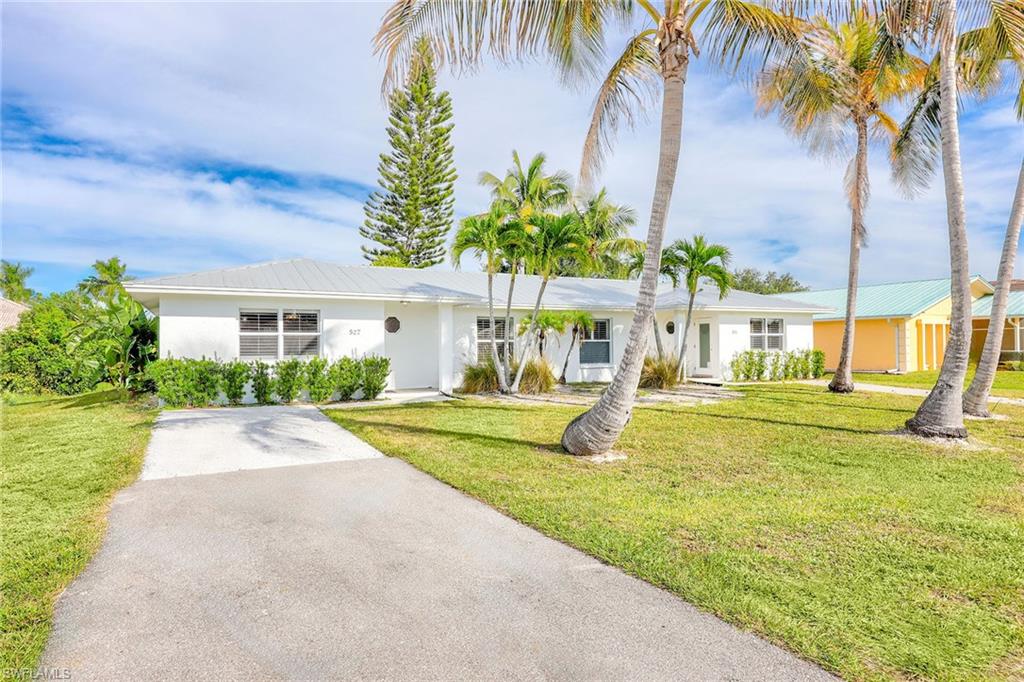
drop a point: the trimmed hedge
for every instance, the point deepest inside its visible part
(185, 382)
(759, 365)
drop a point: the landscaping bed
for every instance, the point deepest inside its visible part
(792, 513)
(62, 461)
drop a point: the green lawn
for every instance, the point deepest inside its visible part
(1007, 384)
(61, 460)
(791, 513)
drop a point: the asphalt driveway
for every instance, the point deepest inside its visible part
(365, 568)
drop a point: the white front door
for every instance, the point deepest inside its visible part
(413, 346)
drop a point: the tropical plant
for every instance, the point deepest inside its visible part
(834, 89)
(375, 375)
(13, 278)
(411, 216)
(481, 377)
(771, 282)
(262, 383)
(940, 24)
(659, 373)
(107, 280)
(347, 377)
(548, 322)
(123, 337)
(554, 240)
(184, 382)
(579, 322)
(318, 380)
(485, 235)
(526, 193)
(536, 377)
(234, 377)
(607, 228)
(700, 260)
(288, 379)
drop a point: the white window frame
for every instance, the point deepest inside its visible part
(510, 343)
(280, 334)
(611, 349)
(765, 334)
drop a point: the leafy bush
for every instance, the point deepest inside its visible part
(185, 382)
(375, 375)
(480, 378)
(659, 372)
(262, 384)
(288, 379)
(537, 377)
(757, 365)
(737, 366)
(817, 363)
(777, 367)
(234, 376)
(318, 380)
(347, 377)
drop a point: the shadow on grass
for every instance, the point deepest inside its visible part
(468, 436)
(776, 422)
(813, 400)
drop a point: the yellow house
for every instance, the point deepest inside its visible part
(901, 327)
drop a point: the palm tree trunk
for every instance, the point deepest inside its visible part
(572, 344)
(529, 337)
(498, 366)
(509, 326)
(976, 397)
(942, 413)
(595, 431)
(842, 380)
(657, 338)
(686, 332)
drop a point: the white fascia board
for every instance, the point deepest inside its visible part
(287, 293)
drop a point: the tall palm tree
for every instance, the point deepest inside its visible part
(833, 90)
(13, 277)
(669, 269)
(548, 322)
(982, 54)
(580, 322)
(556, 238)
(483, 235)
(607, 225)
(572, 36)
(700, 260)
(107, 280)
(941, 412)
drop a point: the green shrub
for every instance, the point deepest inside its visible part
(737, 366)
(777, 368)
(168, 375)
(184, 382)
(347, 377)
(318, 380)
(480, 378)
(375, 375)
(262, 384)
(817, 363)
(203, 385)
(537, 377)
(234, 377)
(659, 372)
(288, 379)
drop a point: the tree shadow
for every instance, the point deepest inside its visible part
(846, 406)
(95, 398)
(461, 435)
(776, 422)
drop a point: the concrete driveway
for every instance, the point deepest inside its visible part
(365, 568)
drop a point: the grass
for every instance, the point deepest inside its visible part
(62, 460)
(1007, 384)
(792, 513)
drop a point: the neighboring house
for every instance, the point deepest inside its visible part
(431, 323)
(10, 313)
(901, 327)
(1013, 331)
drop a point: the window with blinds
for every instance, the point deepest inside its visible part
(766, 334)
(506, 346)
(258, 334)
(269, 334)
(596, 344)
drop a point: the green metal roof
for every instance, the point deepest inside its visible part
(898, 299)
(1014, 305)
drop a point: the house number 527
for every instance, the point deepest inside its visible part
(354, 332)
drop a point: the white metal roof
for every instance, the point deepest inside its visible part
(319, 279)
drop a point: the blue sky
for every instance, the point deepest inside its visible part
(186, 137)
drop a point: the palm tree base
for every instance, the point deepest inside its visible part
(840, 386)
(977, 413)
(925, 430)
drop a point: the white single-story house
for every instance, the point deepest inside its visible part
(432, 323)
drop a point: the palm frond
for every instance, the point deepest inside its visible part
(753, 34)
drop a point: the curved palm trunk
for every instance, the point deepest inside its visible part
(657, 338)
(595, 431)
(941, 414)
(528, 343)
(572, 344)
(498, 365)
(509, 325)
(842, 380)
(976, 397)
(686, 333)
